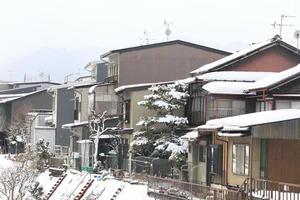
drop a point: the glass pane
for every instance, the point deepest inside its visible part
(247, 160)
(234, 159)
(296, 104)
(281, 104)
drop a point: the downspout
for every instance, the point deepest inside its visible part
(251, 167)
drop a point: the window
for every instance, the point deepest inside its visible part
(126, 111)
(76, 108)
(216, 159)
(202, 153)
(240, 159)
(227, 107)
(263, 106)
(287, 104)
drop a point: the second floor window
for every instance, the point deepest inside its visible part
(287, 104)
(126, 111)
(240, 159)
(76, 108)
(226, 108)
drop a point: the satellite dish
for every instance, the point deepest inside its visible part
(168, 32)
(297, 34)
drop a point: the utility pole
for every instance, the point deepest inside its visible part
(281, 24)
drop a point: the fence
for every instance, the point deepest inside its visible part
(265, 189)
(152, 166)
(173, 189)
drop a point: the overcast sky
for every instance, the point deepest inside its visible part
(59, 37)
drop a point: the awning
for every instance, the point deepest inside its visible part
(74, 125)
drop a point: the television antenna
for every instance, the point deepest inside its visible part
(297, 36)
(168, 30)
(281, 24)
(146, 36)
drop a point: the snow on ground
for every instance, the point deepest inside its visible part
(46, 181)
(5, 162)
(101, 189)
(107, 188)
(71, 185)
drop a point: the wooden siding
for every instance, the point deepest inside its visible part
(280, 130)
(292, 87)
(165, 63)
(275, 59)
(284, 161)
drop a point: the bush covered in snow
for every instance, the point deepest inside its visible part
(157, 137)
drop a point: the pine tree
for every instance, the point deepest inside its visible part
(158, 133)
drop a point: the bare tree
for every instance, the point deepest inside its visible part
(97, 126)
(16, 180)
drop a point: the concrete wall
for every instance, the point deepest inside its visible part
(163, 63)
(235, 179)
(47, 133)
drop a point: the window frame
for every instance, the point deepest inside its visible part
(245, 160)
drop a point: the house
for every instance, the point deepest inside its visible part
(14, 106)
(40, 126)
(259, 145)
(62, 113)
(219, 91)
(159, 62)
(273, 55)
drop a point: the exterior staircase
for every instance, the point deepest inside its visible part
(84, 189)
(55, 186)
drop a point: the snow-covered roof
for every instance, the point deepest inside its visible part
(236, 56)
(275, 79)
(84, 141)
(230, 134)
(190, 135)
(252, 119)
(124, 87)
(225, 87)
(4, 98)
(73, 125)
(234, 76)
(105, 136)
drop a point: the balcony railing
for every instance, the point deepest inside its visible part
(265, 189)
(111, 79)
(224, 112)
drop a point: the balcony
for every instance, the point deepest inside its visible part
(111, 79)
(224, 112)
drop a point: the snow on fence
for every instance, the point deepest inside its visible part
(265, 189)
(170, 188)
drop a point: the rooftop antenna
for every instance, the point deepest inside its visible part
(146, 35)
(297, 36)
(168, 30)
(281, 24)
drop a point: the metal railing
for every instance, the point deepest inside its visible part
(163, 187)
(266, 189)
(224, 112)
